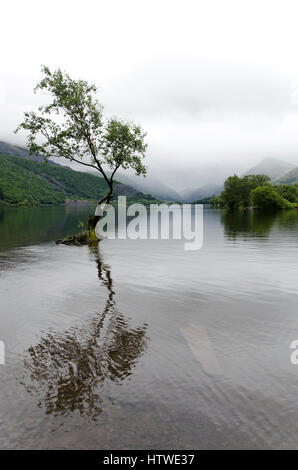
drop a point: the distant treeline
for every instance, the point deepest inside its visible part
(256, 191)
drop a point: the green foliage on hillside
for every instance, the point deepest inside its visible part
(27, 182)
(266, 197)
(256, 191)
(21, 184)
(291, 177)
(287, 191)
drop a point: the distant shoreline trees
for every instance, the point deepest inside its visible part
(257, 192)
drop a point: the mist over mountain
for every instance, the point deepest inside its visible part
(150, 185)
(291, 177)
(18, 151)
(214, 180)
(278, 170)
(224, 106)
(272, 167)
(201, 192)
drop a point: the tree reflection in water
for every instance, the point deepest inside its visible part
(249, 223)
(66, 370)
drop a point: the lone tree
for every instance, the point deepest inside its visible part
(72, 126)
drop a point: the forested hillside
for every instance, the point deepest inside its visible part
(27, 182)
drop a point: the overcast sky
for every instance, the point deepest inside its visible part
(214, 83)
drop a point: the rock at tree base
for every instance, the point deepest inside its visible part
(77, 240)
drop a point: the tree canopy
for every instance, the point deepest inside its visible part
(72, 126)
(256, 191)
(237, 190)
(266, 197)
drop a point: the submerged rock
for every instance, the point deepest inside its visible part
(84, 238)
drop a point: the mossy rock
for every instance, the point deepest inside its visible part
(84, 238)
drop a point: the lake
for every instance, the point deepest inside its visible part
(143, 345)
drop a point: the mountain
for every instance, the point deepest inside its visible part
(272, 167)
(27, 182)
(134, 186)
(291, 177)
(137, 184)
(16, 151)
(150, 185)
(201, 192)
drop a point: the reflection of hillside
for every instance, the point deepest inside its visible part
(247, 223)
(65, 370)
(21, 226)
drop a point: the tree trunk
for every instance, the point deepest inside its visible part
(93, 219)
(105, 200)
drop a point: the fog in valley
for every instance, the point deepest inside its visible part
(215, 95)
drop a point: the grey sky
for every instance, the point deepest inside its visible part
(214, 83)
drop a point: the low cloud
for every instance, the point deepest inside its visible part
(214, 86)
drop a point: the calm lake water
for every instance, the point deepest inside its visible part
(140, 344)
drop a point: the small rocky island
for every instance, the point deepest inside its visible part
(84, 238)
